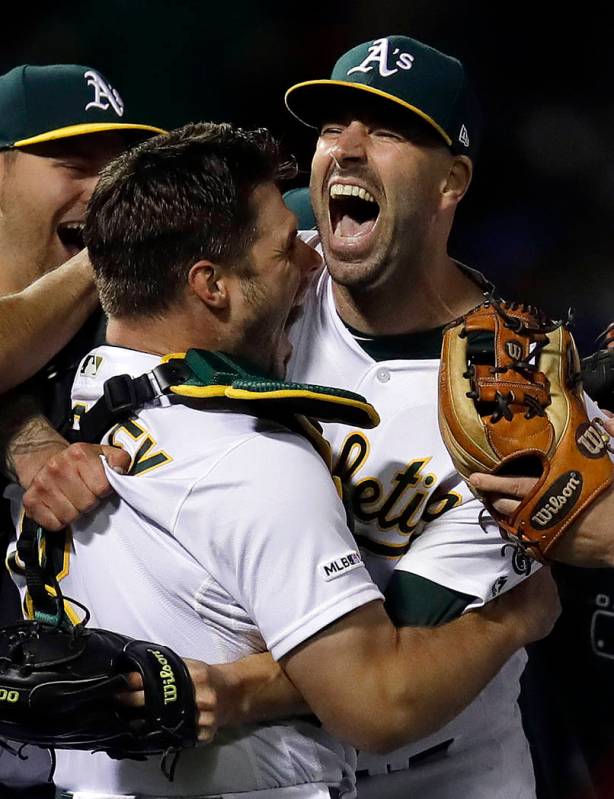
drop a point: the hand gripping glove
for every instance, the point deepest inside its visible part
(511, 402)
(58, 687)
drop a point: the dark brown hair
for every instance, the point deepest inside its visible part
(171, 201)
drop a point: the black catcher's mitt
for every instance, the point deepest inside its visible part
(58, 687)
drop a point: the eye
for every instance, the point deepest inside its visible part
(330, 130)
(75, 167)
(389, 135)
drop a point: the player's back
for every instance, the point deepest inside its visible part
(172, 558)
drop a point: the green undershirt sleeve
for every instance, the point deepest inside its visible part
(413, 601)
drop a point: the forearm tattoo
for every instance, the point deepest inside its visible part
(23, 431)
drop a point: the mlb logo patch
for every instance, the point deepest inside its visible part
(341, 565)
(90, 365)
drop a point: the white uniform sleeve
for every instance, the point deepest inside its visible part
(457, 552)
(268, 526)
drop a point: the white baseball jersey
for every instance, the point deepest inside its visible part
(413, 513)
(216, 545)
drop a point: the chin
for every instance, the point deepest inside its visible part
(357, 275)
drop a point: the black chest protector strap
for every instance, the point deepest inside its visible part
(212, 379)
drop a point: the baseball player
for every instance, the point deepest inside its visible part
(226, 510)
(59, 124)
(399, 129)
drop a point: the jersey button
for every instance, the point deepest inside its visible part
(383, 375)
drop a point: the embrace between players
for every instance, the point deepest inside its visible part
(226, 538)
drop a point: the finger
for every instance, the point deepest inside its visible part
(118, 459)
(134, 681)
(131, 698)
(85, 459)
(49, 505)
(206, 699)
(68, 488)
(609, 424)
(41, 514)
(506, 507)
(513, 486)
(206, 727)
(60, 480)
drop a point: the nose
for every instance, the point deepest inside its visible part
(350, 144)
(309, 263)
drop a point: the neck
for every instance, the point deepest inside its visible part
(420, 297)
(158, 335)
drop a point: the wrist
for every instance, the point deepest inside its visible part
(24, 464)
(254, 689)
(229, 683)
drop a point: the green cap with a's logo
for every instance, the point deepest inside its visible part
(403, 71)
(43, 103)
(299, 202)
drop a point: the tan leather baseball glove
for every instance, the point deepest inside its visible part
(511, 402)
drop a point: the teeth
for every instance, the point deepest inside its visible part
(344, 190)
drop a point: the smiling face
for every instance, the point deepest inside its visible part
(376, 185)
(44, 190)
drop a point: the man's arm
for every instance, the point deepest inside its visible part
(379, 687)
(370, 684)
(61, 481)
(38, 321)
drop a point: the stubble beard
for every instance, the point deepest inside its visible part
(256, 336)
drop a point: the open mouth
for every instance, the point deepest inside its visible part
(353, 210)
(71, 236)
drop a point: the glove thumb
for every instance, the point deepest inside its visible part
(118, 459)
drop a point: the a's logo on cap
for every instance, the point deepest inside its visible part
(105, 95)
(463, 136)
(378, 54)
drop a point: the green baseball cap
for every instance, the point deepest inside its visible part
(299, 202)
(43, 103)
(400, 70)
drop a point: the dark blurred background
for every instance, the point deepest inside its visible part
(539, 215)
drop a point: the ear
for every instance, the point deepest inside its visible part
(208, 282)
(458, 179)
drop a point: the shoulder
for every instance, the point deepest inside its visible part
(275, 455)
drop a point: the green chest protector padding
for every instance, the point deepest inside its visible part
(214, 380)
